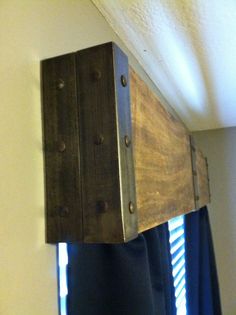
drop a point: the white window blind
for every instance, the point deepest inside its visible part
(177, 250)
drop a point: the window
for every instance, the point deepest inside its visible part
(177, 249)
(62, 276)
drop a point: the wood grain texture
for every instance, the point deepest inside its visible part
(62, 174)
(163, 170)
(89, 169)
(202, 179)
(107, 171)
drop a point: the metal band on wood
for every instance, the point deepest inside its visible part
(194, 171)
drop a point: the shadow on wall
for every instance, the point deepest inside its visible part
(220, 148)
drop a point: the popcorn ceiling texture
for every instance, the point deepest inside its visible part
(188, 48)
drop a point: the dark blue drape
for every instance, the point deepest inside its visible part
(202, 285)
(125, 279)
(136, 278)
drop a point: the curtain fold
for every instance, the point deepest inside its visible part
(136, 278)
(203, 296)
(125, 279)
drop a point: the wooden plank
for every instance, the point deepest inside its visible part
(203, 179)
(61, 147)
(162, 156)
(107, 171)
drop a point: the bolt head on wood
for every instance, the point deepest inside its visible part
(127, 141)
(131, 207)
(123, 80)
(61, 146)
(99, 139)
(96, 75)
(60, 84)
(102, 205)
(63, 211)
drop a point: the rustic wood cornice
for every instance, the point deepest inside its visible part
(116, 161)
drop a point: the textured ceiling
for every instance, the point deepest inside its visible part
(188, 48)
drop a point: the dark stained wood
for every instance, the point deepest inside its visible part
(63, 208)
(107, 170)
(162, 156)
(89, 166)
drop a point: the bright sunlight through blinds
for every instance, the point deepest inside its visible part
(177, 250)
(63, 290)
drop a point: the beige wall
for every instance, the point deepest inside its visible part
(220, 148)
(31, 30)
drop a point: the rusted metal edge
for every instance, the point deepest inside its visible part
(194, 172)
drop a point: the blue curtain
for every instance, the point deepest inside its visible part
(125, 279)
(202, 285)
(136, 278)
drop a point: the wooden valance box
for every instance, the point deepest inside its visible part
(116, 161)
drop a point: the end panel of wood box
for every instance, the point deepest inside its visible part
(107, 176)
(61, 150)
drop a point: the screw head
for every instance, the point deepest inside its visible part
(102, 205)
(131, 207)
(61, 146)
(123, 80)
(99, 139)
(96, 74)
(127, 141)
(60, 84)
(63, 212)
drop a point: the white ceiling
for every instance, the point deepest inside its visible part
(188, 48)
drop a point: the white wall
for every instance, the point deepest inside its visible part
(29, 32)
(220, 148)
